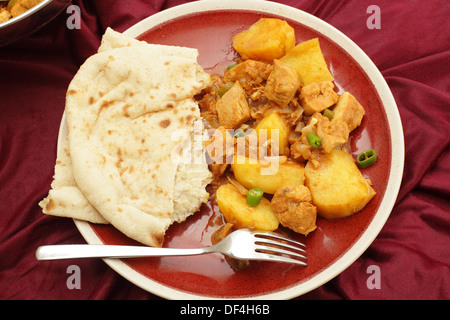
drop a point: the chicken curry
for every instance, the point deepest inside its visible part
(278, 105)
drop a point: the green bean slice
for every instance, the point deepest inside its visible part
(231, 66)
(224, 89)
(366, 158)
(314, 140)
(254, 196)
(239, 133)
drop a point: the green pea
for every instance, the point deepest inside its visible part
(328, 113)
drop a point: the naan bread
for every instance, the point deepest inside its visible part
(125, 110)
(65, 198)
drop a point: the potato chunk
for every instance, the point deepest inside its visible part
(337, 186)
(282, 84)
(232, 109)
(307, 59)
(251, 174)
(348, 110)
(234, 207)
(294, 209)
(275, 122)
(267, 39)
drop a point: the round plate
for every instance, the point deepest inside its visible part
(209, 26)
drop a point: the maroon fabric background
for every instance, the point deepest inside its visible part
(412, 50)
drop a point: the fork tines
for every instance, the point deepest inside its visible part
(280, 248)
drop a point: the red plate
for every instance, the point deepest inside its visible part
(209, 26)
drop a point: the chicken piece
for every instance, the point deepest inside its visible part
(232, 109)
(348, 110)
(282, 84)
(332, 133)
(250, 74)
(317, 96)
(300, 151)
(220, 148)
(293, 207)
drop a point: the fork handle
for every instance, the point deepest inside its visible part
(70, 251)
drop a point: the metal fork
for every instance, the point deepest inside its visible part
(241, 244)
